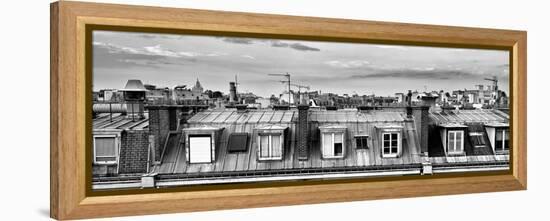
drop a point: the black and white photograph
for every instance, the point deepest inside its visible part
(176, 110)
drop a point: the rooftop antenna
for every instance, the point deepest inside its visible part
(299, 88)
(236, 84)
(495, 86)
(287, 76)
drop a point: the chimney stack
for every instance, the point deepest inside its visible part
(409, 104)
(232, 92)
(134, 97)
(303, 129)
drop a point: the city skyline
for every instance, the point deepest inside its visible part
(167, 60)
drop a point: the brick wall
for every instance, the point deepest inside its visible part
(104, 170)
(302, 132)
(133, 152)
(159, 127)
(421, 118)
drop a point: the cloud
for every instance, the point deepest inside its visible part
(296, 46)
(272, 43)
(156, 50)
(248, 56)
(416, 73)
(396, 47)
(160, 36)
(348, 64)
(245, 41)
(117, 56)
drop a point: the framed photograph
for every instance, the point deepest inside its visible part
(161, 110)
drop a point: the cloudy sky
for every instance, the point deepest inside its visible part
(168, 60)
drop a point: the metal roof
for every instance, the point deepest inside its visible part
(469, 116)
(452, 125)
(117, 121)
(268, 116)
(497, 125)
(203, 128)
(271, 127)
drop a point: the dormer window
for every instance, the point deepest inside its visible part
(390, 144)
(200, 143)
(455, 141)
(499, 136)
(502, 137)
(200, 148)
(105, 149)
(361, 141)
(390, 140)
(333, 145)
(271, 147)
(477, 139)
(271, 142)
(333, 141)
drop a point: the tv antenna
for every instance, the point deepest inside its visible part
(287, 76)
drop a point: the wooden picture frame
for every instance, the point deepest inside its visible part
(70, 121)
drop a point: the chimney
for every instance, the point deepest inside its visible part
(409, 104)
(162, 120)
(232, 92)
(429, 101)
(421, 120)
(134, 97)
(302, 132)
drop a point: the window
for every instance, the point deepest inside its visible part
(333, 145)
(237, 142)
(390, 144)
(200, 149)
(361, 142)
(270, 146)
(478, 139)
(105, 149)
(455, 142)
(501, 140)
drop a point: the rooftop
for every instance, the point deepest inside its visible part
(174, 160)
(486, 116)
(117, 121)
(269, 116)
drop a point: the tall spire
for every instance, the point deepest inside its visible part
(198, 87)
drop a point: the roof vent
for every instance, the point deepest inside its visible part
(241, 108)
(365, 108)
(281, 107)
(331, 108)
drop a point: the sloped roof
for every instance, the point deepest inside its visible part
(356, 123)
(119, 122)
(268, 116)
(469, 116)
(271, 127)
(202, 128)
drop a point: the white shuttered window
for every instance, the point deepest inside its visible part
(333, 145)
(271, 147)
(455, 142)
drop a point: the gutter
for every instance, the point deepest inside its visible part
(186, 182)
